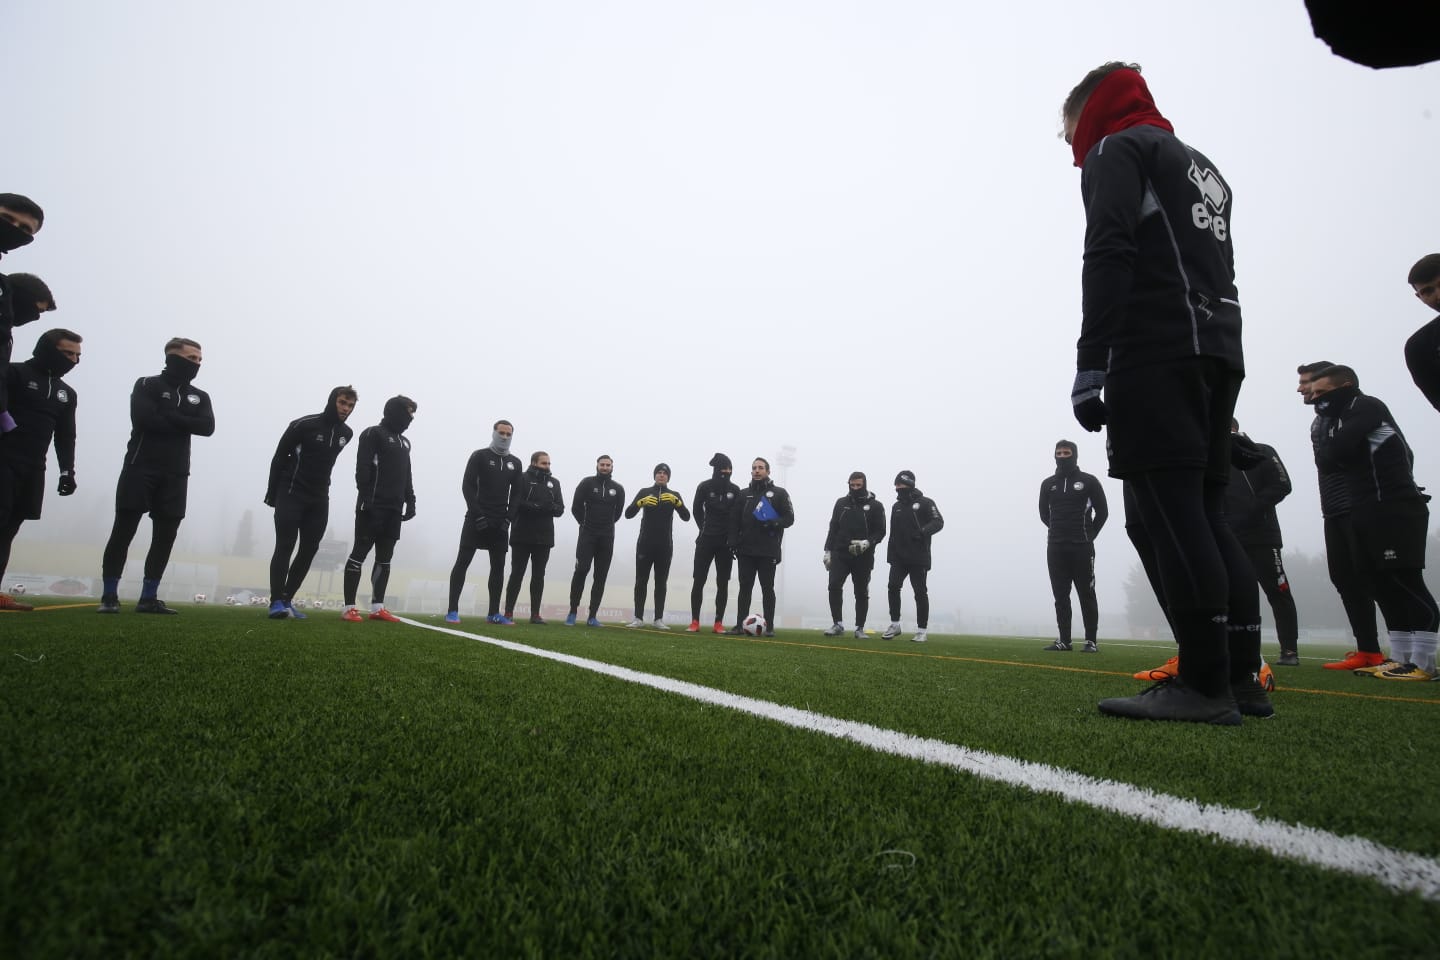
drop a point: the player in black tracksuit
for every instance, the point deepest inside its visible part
(757, 528)
(1250, 499)
(715, 499)
(384, 499)
(1160, 340)
(23, 298)
(491, 478)
(857, 525)
(654, 548)
(20, 293)
(1391, 519)
(597, 505)
(536, 503)
(1422, 350)
(43, 406)
(914, 520)
(1073, 508)
(299, 490)
(165, 412)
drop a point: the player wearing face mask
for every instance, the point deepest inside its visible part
(23, 298)
(914, 520)
(713, 502)
(45, 408)
(491, 478)
(597, 505)
(857, 525)
(533, 509)
(165, 412)
(655, 546)
(1072, 506)
(385, 498)
(299, 490)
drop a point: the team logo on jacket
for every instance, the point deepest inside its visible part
(509, 465)
(1208, 213)
(610, 492)
(550, 484)
(32, 385)
(866, 507)
(769, 493)
(729, 496)
(1390, 555)
(192, 399)
(1079, 484)
(164, 394)
(62, 396)
(914, 506)
(343, 441)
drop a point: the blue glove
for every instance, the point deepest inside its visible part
(1085, 399)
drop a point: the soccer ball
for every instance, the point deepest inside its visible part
(199, 598)
(18, 588)
(753, 625)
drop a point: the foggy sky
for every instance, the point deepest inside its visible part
(658, 230)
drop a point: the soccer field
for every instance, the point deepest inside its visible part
(220, 784)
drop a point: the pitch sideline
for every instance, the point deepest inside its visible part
(1396, 870)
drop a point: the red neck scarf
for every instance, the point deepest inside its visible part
(1120, 102)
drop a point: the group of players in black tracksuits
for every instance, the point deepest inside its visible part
(512, 509)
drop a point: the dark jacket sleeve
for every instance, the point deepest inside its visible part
(282, 456)
(634, 507)
(1045, 501)
(830, 531)
(1270, 480)
(1346, 443)
(1101, 507)
(877, 522)
(469, 484)
(65, 435)
(786, 510)
(1423, 359)
(1112, 184)
(557, 507)
(200, 422)
(365, 465)
(577, 504)
(149, 415)
(619, 499)
(935, 523)
(699, 501)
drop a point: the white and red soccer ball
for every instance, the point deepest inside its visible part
(754, 625)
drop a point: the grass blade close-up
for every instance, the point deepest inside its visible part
(220, 784)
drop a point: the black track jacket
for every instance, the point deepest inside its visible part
(1159, 274)
(533, 508)
(489, 484)
(43, 407)
(305, 456)
(1366, 443)
(657, 522)
(597, 505)
(855, 520)
(757, 538)
(164, 415)
(715, 499)
(1251, 496)
(914, 519)
(382, 470)
(1073, 507)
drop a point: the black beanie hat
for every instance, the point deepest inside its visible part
(1074, 450)
(721, 462)
(659, 467)
(905, 478)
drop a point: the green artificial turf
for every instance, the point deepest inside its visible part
(218, 784)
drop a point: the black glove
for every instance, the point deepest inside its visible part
(409, 513)
(269, 498)
(66, 486)
(1085, 399)
(481, 523)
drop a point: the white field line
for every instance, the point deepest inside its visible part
(1395, 869)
